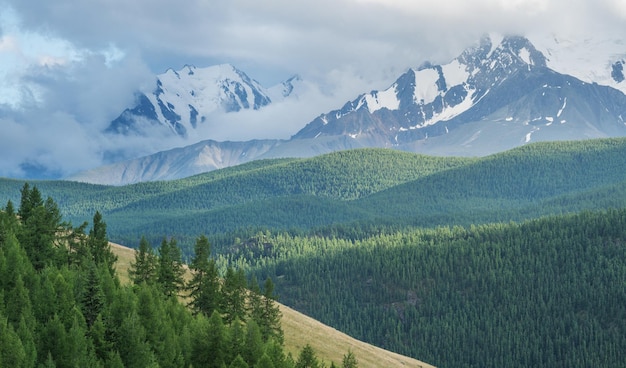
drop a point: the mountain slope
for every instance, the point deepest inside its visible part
(300, 329)
(184, 99)
(499, 94)
(363, 189)
(492, 88)
(542, 293)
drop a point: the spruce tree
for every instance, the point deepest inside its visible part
(307, 358)
(234, 295)
(144, 268)
(92, 297)
(204, 287)
(41, 223)
(12, 352)
(216, 341)
(238, 362)
(236, 340)
(170, 268)
(349, 360)
(270, 321)
(98, 244)
(264, 362)
(253, 348)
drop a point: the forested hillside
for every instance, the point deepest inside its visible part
(549, 292)
(62, 304)
(516, 259)
(357, 192)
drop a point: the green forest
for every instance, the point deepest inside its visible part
(364, 189)
(63, 305)
(549, 292)
(516, 259)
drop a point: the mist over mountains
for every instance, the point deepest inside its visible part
(501, 93)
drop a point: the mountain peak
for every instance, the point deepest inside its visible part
(501, 79)
(187, 97)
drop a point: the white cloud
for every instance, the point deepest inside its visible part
(75, 64)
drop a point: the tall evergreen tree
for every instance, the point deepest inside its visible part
(307, 358)
(204, 287)
(30, 198)
(216, 341)
(12, 352)
(144, 268)
(276, 352)
(8, 221)
(41, 223)
(234, 295)
(253, 349)
(98, 243)
(270, 321)
(236, 340)
(92, 296)
(170, 268)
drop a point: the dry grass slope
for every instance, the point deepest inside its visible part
(328, 343)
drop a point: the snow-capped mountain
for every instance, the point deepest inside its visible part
(502, 85)
(185, 98)
(591, 60)
(496, 95)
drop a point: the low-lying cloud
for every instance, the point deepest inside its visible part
(68, 68)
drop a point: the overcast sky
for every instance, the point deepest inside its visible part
(67, 67)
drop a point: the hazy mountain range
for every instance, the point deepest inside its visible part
(499, 94)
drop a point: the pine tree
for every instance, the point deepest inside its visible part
(98, 335)
(265, 362)
(253, 349)
(216, 342)
(12, 352)
(53, 339)
(270, 321)
(275, 351)
(132, 343)
(92, 296)
(144, 268)
(349, 360)
(204, 287)
(236, 340)
(30, 199)
(234, 295)
(41, 222)
(98, 244)
(307, 358)
(8, 221)
(238, 362)
(25, 331)
(170, 268)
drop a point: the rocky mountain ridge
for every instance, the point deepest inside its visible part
(497, 95)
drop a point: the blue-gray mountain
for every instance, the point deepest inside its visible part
(495, 96)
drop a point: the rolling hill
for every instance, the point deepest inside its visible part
(368, 187)
(493, 259)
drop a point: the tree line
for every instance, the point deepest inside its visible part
(62, 303)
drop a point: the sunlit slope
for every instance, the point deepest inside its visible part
(329, 343)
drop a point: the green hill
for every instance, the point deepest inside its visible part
(364, 188)
(461, 262)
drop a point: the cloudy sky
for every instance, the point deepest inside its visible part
(67, 68)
